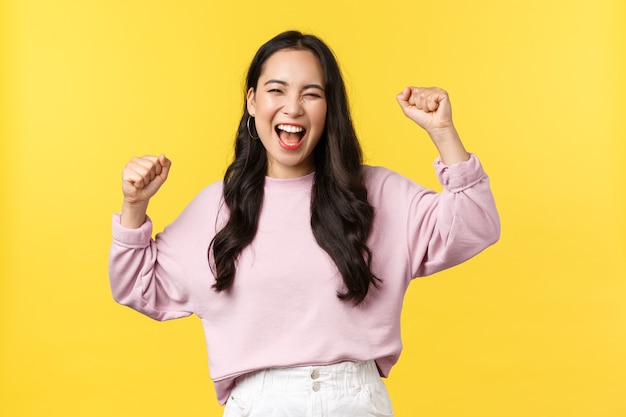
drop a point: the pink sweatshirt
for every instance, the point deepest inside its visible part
(283, 308)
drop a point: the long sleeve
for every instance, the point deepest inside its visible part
(146, 274)
(450, 227)
(169, 276)
(437, 229)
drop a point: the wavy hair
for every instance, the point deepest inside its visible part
(341, 216)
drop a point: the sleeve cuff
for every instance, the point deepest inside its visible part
(460, 176)
(132, 238)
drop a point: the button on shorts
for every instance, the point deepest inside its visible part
(344, 389)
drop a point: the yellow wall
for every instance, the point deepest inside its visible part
(535, 326)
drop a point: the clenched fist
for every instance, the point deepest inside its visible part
(430, 108)
(141, 179)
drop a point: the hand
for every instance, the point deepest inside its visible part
(428, 107)
(142, 177)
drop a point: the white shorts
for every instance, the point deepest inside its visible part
(347, 389)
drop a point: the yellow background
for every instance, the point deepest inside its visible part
(535, 326)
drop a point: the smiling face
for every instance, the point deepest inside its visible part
(289, 107)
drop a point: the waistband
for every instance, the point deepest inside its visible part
(343, 376)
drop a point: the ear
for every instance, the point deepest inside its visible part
(250, 102)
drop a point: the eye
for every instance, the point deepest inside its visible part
(312, 95)
(275, 91)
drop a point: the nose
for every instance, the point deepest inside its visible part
(293, 105)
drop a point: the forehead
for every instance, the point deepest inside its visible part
(292, 66)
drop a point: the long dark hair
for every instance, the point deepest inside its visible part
(341, 216)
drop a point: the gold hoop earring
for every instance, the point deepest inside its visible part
(250, 130)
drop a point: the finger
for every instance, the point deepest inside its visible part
(418, 98)
(439, 96)
(142, 170)
(403, 97)
(151, 166)
(165, 166)
(151, 163)
(132, 177)
(428, 99)
(432, 103)
(163, 161)
(146, 172)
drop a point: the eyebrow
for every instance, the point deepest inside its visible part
(286, 84)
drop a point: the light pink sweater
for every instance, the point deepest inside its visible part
(283, 308)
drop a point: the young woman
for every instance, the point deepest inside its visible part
(298, 261)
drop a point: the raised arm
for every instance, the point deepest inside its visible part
(145, 274)
(452, 226)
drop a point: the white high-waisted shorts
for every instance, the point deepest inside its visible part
(346, 389)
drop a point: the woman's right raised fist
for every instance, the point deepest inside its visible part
(143, 176)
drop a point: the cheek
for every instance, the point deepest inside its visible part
(318, 115)
(264, 113)
(265, 103)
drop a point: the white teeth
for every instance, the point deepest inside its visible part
(290, 128)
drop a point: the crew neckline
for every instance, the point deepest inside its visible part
(287, 184)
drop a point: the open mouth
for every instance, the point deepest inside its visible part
(290, 136)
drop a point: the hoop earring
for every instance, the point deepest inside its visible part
(249, 130)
